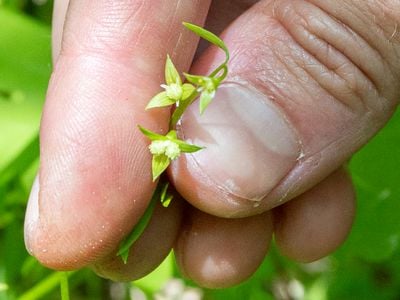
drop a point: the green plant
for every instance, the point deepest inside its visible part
(165, 148)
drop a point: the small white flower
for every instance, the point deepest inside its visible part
(157, 147)
(172, 150)
(169, 148)
(174, 91)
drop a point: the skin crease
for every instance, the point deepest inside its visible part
(267, 17)
(328, 96)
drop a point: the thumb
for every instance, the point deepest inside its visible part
(310, 83)
(94, 180)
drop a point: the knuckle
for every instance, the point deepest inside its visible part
(340, 58)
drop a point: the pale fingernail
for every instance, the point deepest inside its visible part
(250, 146)
(32, 213)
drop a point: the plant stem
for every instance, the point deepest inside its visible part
(44, 287)
(64, 286)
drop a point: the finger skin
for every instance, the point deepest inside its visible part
(219, 253)
(94, 176)
(59, 14)
(149, 250)
(317, 222)
(328, 67)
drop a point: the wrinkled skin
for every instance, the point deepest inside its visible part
(326, 74)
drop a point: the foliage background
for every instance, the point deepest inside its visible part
(367, 266)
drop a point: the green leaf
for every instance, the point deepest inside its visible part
(198, 79)
(171, 74)
(156, 280)
(160, 100)
(152, 135)
(24, 159)
(187, 148)
(137, 231)
(205, 99)
(188, 90)
(171, 135)
(208, 36)
(166, 198)
(159, 164)
(25, 68)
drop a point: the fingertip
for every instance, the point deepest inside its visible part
(149, 250)
(219, 253)
(317, 222)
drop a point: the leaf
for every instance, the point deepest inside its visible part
(159, 164)
(152, 135)
(156, 280)
(160, 100)
(187, 148)
(208, 36)
(137, 231)
(188, 90)
(197, 79)
(171, 74)
(25, 69)
(24, 159)
(165, 197)
(205, 99)
(171, 135)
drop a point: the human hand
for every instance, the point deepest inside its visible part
(310, 83)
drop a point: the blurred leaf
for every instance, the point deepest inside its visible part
(375, 169)
(21, 163)
(153, 282)
(24, 73)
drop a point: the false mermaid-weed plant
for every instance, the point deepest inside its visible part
(166, 148)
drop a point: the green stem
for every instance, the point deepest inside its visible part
(64, 286)
(181, 109)
(44, 287)
(137, 231)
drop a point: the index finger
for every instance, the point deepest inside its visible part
(94, 177)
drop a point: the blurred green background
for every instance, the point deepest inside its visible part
(367, 266)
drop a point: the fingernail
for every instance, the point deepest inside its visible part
(32, 213)
(250, 146)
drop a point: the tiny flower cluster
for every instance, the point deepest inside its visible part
(165, 148)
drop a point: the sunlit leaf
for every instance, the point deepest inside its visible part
(171, 74)
(160, 100)
(187, 148)
(208, 36)
(165, 197)
(159, 164)
(151, 135)
(188, 90)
